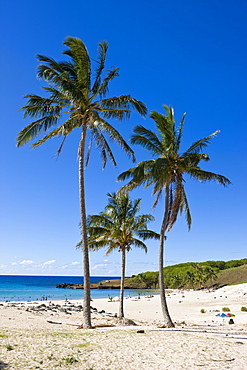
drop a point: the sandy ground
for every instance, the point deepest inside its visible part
(47, 338)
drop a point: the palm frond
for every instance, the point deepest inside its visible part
(102, 49)
(115, 136)
(185, 207)
(69, 67)
(34, 128)
(63, 130)
(136, 173)
(102, 144)
(102, 89)
(202, 176)
(65, 79)
(148, 234)
(158, 194)
(37, 106)
(192, 159)
(134, 207)
(57, 96)
(177, 199)
(139, 244)
(100, 219)
(79, 54)
(147, 139)
(124, 103)
(165, 132)
(180, 134)
(50, 69)
(198, 145)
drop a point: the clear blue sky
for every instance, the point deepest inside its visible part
(189, 54)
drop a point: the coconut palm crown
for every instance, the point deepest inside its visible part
(119, 228)
(78, 98)
(165, 172)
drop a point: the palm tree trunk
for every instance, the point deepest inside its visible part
(86, 301)
(121, 310)
(167, 319)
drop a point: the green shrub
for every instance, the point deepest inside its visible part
(70, 360)
(244, 309)
(202, 310)
(226, 309)
(9, 347)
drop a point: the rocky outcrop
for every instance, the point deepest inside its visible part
(69, 286)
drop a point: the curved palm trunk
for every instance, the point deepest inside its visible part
(86, 300)
(167, 319)
(121, 310)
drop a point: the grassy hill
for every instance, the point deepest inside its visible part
(235, 275)
(195, 275)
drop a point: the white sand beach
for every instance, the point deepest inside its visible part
(45, 335)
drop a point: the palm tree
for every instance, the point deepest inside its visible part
(204, 273)
(166, 172)
(119, 227)
(190, 278)
(82, 103)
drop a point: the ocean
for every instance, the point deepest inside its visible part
(25, 288)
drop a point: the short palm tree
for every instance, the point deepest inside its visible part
(166, 172)
(119, 228)
(80, 102)
(190, 278)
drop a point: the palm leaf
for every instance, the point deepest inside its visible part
(147, 139)
(124, 103)
(164, 127)
(115, 136)
(102, 89)
(79, 54)
(103, 145)
(185, 207)
(202, 176)
(197, 146)
(34, 128)
(180, 134)
(63, 130)
(37, 106)
(102, 49)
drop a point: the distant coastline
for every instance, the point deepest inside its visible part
(102, 284)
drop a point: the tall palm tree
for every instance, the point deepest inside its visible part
(80, 101)
(166, 173)
(119, 227)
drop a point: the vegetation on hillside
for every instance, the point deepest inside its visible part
(195, 275)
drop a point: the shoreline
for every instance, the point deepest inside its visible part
(183, 305)
(52, 337)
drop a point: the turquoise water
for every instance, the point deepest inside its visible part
(24, 288)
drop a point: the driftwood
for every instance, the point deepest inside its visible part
(54, 322)
(231, 359)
